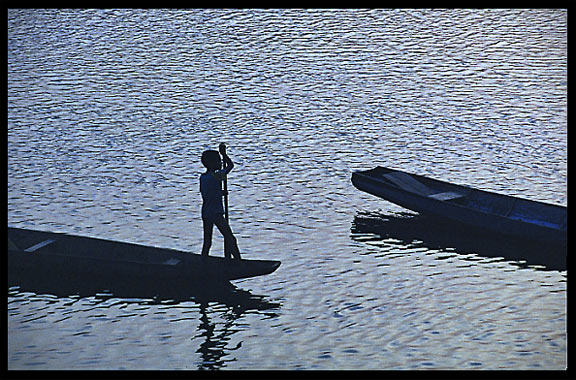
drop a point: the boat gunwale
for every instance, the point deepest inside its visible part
(444, 183)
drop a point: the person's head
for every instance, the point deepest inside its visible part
(211, 160)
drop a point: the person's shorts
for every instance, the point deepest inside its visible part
(213, 218)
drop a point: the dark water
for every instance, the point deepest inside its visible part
(109, 110)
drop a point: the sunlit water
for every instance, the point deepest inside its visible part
(109, 111)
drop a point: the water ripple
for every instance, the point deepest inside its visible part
(109, 110)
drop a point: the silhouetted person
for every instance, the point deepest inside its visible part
(212, 208)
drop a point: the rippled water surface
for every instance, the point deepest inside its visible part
(109, 110)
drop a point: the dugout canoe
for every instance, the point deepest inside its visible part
(64, 257)
(516, 217)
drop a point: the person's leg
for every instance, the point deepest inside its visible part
(230, 243)
(208, 227)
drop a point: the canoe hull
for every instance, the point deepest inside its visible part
(73, 258)
(495, 212)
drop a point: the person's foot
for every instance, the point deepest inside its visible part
(236, 256)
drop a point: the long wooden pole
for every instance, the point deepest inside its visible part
(222, 149)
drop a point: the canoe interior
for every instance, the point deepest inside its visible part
(533, 212)
(89, 248)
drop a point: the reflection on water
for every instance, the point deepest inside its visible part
(224, 303)
(223, 293)
(434, 233)
(214, 349)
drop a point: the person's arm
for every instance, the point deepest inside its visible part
(227, 160)
(229, 163)
(221, 174)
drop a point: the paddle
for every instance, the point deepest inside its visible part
(222, 149)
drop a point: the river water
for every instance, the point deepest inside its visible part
(109, 111)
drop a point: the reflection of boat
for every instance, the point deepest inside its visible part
(221, 305)
(525, 219)
(55, 257)
(436, 233)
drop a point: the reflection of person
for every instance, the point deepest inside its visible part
(212, 208)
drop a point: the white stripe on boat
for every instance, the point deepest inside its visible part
(39, 245)
(446, 196)
(171, 261)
